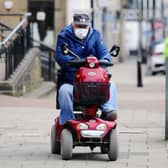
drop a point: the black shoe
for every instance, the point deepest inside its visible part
(110, 116)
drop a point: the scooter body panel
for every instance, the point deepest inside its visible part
(94, 128)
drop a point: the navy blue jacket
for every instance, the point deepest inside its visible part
(91, 45)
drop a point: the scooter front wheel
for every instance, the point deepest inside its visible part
(66, 144)
(113, 145)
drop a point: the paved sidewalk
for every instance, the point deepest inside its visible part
(44, 89)
(25, 125)
(141, 118)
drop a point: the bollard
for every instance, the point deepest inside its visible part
(139, 75)
(166, 106)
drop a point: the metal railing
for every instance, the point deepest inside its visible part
(14, 44)
(48, 61)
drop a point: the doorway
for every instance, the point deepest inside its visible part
(42, 20)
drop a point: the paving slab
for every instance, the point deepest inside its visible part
(25, 125)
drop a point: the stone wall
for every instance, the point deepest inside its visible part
(60, 15)
(26, 77)
(19, 6)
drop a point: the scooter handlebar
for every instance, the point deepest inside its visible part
(76, 63)
(81, 62)
(105, 63)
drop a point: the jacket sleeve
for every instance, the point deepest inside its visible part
(165, 51)
(60, 58)
(101, 49)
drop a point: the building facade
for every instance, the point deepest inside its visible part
(49, 16)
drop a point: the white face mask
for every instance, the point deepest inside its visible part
(81, 33)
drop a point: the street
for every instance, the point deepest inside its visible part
(40, 37)
(25, 125)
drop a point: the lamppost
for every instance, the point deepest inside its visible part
(166, 65)
(92, 8)
(166, 106)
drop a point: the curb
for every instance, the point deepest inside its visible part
(42, 90)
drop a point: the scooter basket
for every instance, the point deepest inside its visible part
(91, 93)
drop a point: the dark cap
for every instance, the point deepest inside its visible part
(81, 19)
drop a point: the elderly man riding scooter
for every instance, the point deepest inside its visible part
(83, 40)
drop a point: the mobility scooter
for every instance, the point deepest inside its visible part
(91, 89)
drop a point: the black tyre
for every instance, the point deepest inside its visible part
(113, 146)
(55, 146)
(104, 149)
(154, 73)
(66, 144)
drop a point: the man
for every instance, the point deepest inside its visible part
(165, 51)
(84, 41)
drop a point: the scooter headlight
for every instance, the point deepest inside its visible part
(101, 126)
(91, 64)
(82, 126)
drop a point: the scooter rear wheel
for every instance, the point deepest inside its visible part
(55, 146)
(113, 145)
(66, 144)
(104, 149)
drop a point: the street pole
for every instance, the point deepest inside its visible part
(92, 7)
(139, 59)
(166, 111)
(166, 64)
(163, 18)
(104, 25)
(121, 33)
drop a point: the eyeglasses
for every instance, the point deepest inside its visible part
(81, 26)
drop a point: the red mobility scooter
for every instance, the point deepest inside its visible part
(91, 89)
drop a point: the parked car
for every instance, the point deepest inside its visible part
(156, 63)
